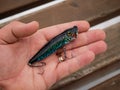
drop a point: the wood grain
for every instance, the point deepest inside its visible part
(76, 10)
(101, 61)
(111, 84)
(11, 7)
(6, 5)
(94, 11)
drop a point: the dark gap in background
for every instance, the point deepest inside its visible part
(104, 18)
(23, 8)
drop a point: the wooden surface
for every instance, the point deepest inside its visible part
(6, 5)
(111, 84)
(110, 56)
(11, 7)
(75, 10)
(89, 81)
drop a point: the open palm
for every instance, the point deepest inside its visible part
(19, 42)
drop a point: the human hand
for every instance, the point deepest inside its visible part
(19, 42)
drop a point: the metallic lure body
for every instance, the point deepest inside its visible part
(54, 44)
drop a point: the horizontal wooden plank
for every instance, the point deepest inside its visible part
(76, 10)
(11, 7)
(111, 84)
(102, 60)
(6, 5)
(94, 11)
(93, 79)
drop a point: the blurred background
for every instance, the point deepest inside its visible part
(104, 72)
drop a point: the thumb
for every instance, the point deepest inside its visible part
(15, 30)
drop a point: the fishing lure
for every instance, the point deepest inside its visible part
(54, 44)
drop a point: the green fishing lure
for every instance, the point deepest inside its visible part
(54, 44)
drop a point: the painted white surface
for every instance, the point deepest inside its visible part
(30, 11)
(99, 80)
(55, 2)
(107, 23)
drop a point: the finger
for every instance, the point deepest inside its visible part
(15, 30)
(46, 34)
(87, 38)
(52, 31)
(72, 65)
(96, 47)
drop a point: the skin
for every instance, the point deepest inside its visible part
(20, 41)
